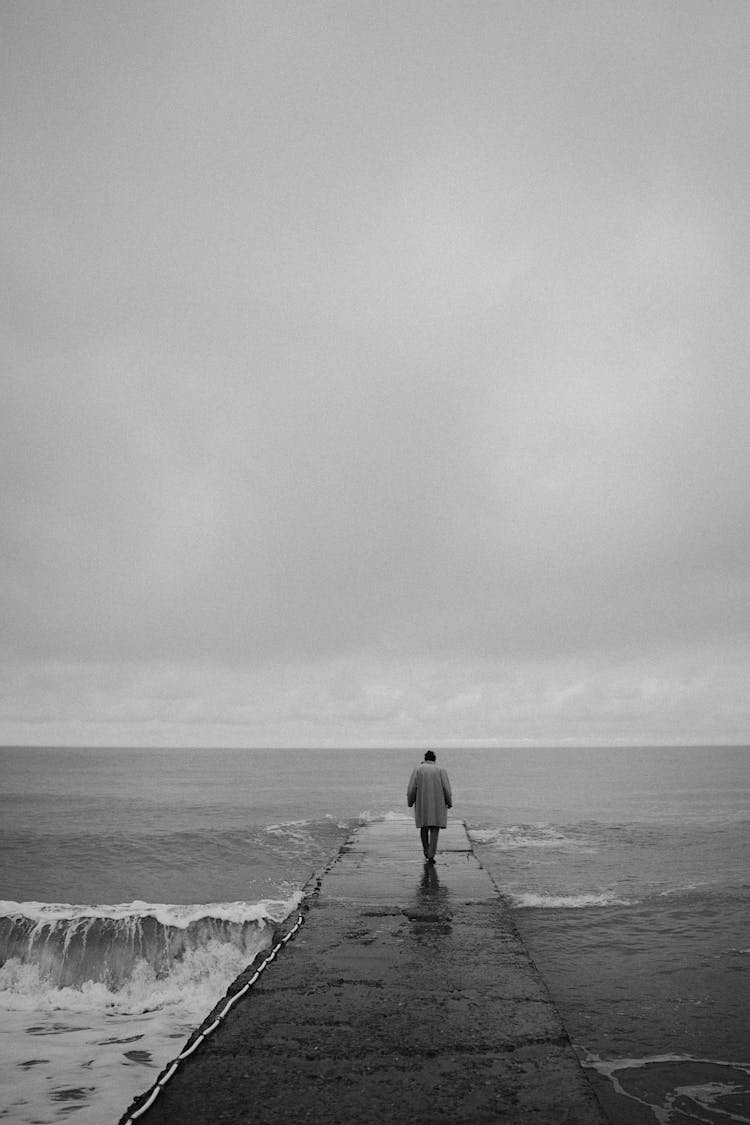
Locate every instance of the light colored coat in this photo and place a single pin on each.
(429, 791)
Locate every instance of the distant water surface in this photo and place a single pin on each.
(138, 883)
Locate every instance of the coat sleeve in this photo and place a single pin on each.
(446, 789)
(411, 789)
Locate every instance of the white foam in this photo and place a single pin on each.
(178, 915)
(296, 831)
(513, 836)
(533, 901)
(82, 1036)
(661, 1100)
(684, 889)
(367, 817)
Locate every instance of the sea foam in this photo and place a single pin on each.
(516, 836)
(533, 901)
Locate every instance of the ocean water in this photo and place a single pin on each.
(137, 884)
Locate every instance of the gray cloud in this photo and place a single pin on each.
(375, 370)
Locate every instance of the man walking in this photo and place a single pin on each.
(429, 792)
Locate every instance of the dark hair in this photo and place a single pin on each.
(430, 756)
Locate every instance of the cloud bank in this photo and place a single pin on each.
(375, 375)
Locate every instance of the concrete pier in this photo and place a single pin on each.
(407, 996)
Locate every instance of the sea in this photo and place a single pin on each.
(137, 884)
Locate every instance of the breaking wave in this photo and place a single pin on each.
(132, 956)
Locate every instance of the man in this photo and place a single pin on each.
(429, 791)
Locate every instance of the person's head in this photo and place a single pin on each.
(430, 756)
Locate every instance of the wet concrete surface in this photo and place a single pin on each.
(407, 996)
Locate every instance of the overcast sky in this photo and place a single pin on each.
(375, 373)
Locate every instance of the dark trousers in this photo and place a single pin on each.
(429, 840)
